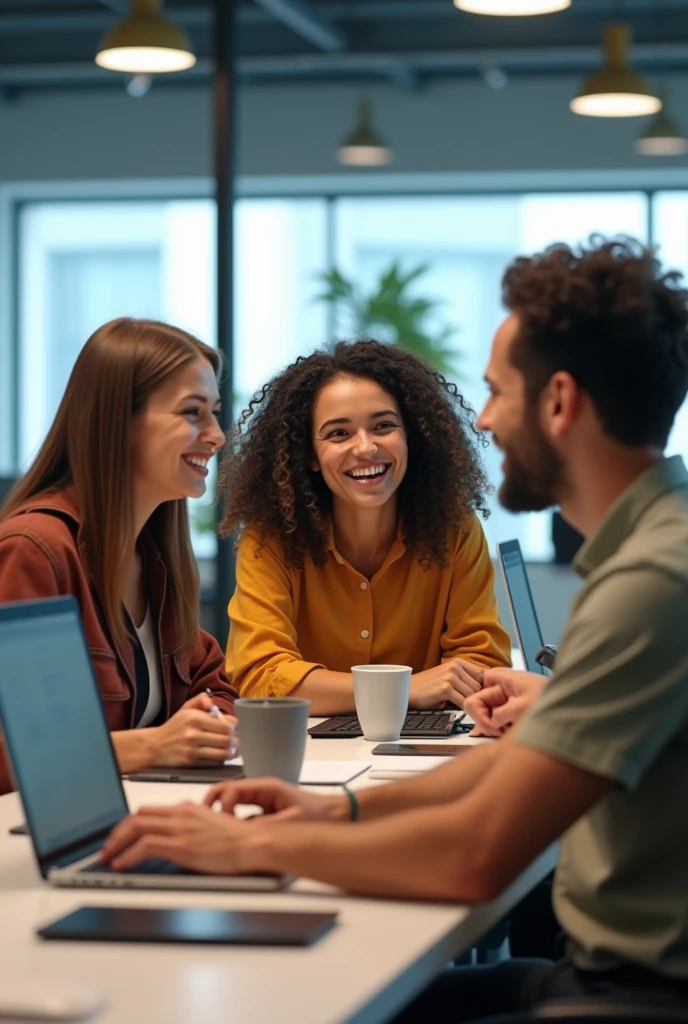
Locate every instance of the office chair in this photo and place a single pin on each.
(625, 1009)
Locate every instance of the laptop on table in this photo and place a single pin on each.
(522, 606)
(62, 757)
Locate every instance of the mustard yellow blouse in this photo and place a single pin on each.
(286, 622)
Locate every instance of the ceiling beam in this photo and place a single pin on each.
(93, 20)
(300, 16)
(329, 12)
(407, 78)
(118, 6)
(393, 65)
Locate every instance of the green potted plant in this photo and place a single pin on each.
(391, 312)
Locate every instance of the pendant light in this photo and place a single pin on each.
(145, 43)
(364, 147)
(616, 90)
(512, 8)
(663, 136)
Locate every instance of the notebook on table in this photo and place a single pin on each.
(62, 757)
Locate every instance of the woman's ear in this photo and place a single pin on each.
(314, 464)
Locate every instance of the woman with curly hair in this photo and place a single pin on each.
(353, 480)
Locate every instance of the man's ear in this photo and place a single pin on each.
(560, 403)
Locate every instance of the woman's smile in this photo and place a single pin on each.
(197, 463)
(368, 476)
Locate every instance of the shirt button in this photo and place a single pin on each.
(364, 586)
(365, 634)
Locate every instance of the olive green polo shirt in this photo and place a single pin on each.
(617, 706)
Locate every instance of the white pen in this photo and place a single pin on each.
(213, 710)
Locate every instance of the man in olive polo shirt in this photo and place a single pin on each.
(618, 707)
(586, 375)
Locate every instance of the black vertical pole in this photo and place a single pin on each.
(225, 149)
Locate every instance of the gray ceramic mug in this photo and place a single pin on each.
(272, 736)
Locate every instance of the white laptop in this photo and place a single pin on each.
(62, 757)
(526, 625)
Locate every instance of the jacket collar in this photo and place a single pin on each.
(64, 503)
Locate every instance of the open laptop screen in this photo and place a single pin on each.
(521, 603)
(54, 725)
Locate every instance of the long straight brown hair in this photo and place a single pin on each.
(88, 447)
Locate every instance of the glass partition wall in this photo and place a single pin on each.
(83, 263)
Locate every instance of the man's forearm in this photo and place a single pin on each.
(421, 854)
(450, 782)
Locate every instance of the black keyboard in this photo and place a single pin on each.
(417, 725)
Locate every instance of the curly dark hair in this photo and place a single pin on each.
(612, 318)
(267, 479)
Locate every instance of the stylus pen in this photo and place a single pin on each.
(214, 710)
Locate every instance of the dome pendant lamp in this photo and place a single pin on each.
(145, 43)
(663, 136)
(616, 90)
(512, 8)
(364, 147)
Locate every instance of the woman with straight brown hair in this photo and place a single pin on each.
(101, 514)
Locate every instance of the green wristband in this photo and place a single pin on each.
(353, 802)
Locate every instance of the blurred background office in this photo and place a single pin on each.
(391, 157)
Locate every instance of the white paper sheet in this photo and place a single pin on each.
(326, 773)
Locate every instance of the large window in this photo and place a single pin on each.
(466, 244)
(83, 263)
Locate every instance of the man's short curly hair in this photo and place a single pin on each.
(268, 483)
(609, 316)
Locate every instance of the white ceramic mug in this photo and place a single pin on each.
(382, 695)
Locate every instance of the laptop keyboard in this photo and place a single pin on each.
(150, 866)
(426, 724)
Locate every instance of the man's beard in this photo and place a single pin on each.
(533, 472)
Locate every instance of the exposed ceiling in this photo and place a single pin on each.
(47, 44)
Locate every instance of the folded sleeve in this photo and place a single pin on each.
(619, 693)
(263, 658)
(473, 629)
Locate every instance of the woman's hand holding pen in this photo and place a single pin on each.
(198, 733)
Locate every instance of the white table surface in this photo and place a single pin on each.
(380, 954)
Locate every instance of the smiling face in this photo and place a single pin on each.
(359, 442)
(534, 472)
(175, 435)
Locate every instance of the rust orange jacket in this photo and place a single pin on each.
(42, 554)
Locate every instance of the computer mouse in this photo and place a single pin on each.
(48, 1000)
